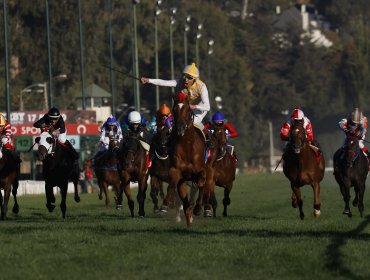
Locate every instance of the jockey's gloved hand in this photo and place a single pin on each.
(4, 140)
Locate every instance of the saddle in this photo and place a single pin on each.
(317, 151)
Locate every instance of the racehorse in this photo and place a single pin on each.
(187, 157)
(350, 169)
(132, 167)
(303, 166)
(9, 176)
(57, 168)
(224, 169)
(106, 171)
(160, 164)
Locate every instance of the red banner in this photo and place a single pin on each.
(72, 129)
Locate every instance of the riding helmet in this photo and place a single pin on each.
(297, 114)
(54, 113)
(218, 117)
(356, 116)
(134, 117)
(164, 109)
(111, 120)
(191, 70)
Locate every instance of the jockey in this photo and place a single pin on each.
(356, 125)
(110, 129)
(137, 124)
(194, 88)
(218, 119)
(53, 123)
(6, 133)
(164, 116)
(298, 116)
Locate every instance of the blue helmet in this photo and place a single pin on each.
(111, 120)
(218, 117)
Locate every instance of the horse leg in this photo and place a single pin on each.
(346, 198)
(193, 192)
(154, 189)
(209, 189)
(106, 193)
(63, 193)
(14, 192)
(182, 189)
(4, 208)
(316, 204)
(100, 184)
(355, 200)
(76, 197)
(226, 201)
(361, 193)
(294, 200)
(170, 194)
(213, 201)
(1, 204)
(178, 206)
(141, 195)
(126, 188)
(297, 193)
(50, 198)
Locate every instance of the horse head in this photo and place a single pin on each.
(45, 142)
(297, 137)
(351, 150)
(161, 141)
(113, 144)
(220, 135)
(183, 115)
(130, 148)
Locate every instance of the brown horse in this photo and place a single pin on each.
(9, 171)
(58, 165)
(350, 169)
(160, 164)
(132, 168)
(106, 171)
(302, 167)
(188, 160)
(224, 169)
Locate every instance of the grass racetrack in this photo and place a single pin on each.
(263, 238)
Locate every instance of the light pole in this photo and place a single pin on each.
(186, 30)
(81, 58)
(50, 91)
(112, 86)
(157, 13)
(210, 52)
(6, 59)
(135, 61)
(199, 35)
(172, 22)
(42, 87)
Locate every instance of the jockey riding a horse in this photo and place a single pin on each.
(137, 124)
(109, 130)
(195, 89)
(298, 116)
(218, 120)
(356, 125)
(53, 123)
(6, 136)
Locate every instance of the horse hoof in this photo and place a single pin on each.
(316, 213)
(346, 212)
(156, 210)
(354, 203)
(301, 216)
(16, 209)
(141, 216)
(178, 219)
(197, 210)
(119, 206)
(100, 197)
(208, 213)
(77, 199)
(189, 218)
(50, 207)
(294, 204)
(164, 209)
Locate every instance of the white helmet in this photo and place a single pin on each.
(134, 117)
(297, 114)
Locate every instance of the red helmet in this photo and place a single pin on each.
(297, 114)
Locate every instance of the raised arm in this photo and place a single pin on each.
(159, 82)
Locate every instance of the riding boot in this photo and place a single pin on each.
(72, 150)
(368, 155)
(148, 161)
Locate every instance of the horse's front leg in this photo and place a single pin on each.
(77, 196)
(344, 188)
(226, 201)
(4, 205)
(50, 198)
(361, 192)
(141, 195)
(316, 203)
(125, 187)
(202, 177)
(154, 190)
(174, 177)
(209, 189)
(297, 193)
(14, 192)
(63, 193)
(104, 187)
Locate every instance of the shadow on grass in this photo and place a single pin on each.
(336, 260)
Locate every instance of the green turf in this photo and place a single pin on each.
(263, 238)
